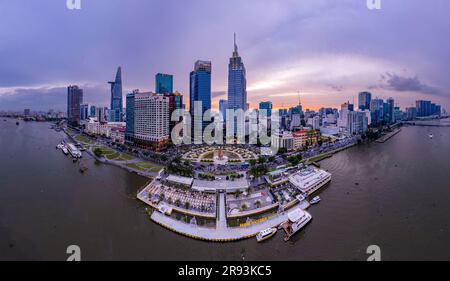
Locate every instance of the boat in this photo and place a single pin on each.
(73, 150)
(265, 234)
(310, 179)
(315, 200)
(297, 219)
(17, 123)
(65, 151)
(431, 136)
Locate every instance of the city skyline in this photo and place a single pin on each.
(283, 52)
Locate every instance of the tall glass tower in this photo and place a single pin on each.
(237, 84)
(199, 91)
(163, 83)
(116, 97)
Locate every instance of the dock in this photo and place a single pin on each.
(219, 234)
(389, 135)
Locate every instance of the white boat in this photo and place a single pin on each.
(431, 136)
(265, 234)
(315, 200)
(64, 149)
(297, 219)
(310, 180)
(73, 150)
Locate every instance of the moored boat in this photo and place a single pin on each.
(297, 219)
(315, 200)
(265, 234)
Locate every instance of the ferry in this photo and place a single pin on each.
(310, 180)
(265, 234)
(297, 219)
(315, 200)
(73, 150)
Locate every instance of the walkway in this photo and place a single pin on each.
(216, 234)
(222, 215)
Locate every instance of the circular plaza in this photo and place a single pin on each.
(220, 155)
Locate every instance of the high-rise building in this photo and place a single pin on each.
(129, 131)
(74, 101)
(343, 116)
(163, 83)
(199, 95)
(267, 107)
(377, 111)
(390, 116)
(102, 114)
(151, 119)
(423, 108)
(357, 122)
(27, 112)
(411, 113)
(237, 85)
(223, 106)
(175, 102)
(84, 111)
(364, 99)
(116, 97)
(93, 111)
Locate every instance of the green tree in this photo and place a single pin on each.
(98, 152)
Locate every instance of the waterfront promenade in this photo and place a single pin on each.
(219, 234)
(389, 135)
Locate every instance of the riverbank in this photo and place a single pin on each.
(389, 135)
(119, 159)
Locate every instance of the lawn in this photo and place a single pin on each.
(145, 167)
(126, 157)
(84, 139)
(113, 156)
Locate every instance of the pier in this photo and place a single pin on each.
(221, 232)
(389, 135)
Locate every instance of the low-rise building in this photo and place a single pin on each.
(118, 134)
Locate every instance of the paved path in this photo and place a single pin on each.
(216, 234)
(222, 216)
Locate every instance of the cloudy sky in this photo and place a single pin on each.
(329, 50)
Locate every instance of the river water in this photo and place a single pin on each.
(394, 195)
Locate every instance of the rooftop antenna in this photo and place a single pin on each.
(235, 46)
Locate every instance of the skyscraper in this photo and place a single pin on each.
(267, 106)
(84, 111)
(129, 132)
(93, 111)
(364, 99)
(175, 102)
(163, 83)
(377, 111)
(151, 119)
(74, 101)
(116, 97)
(199, 92)
(223, 106)
(390, 118)
(423, 108)
(237, 84)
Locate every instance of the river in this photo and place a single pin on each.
(394, 195)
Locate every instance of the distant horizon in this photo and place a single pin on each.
(329, 56)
